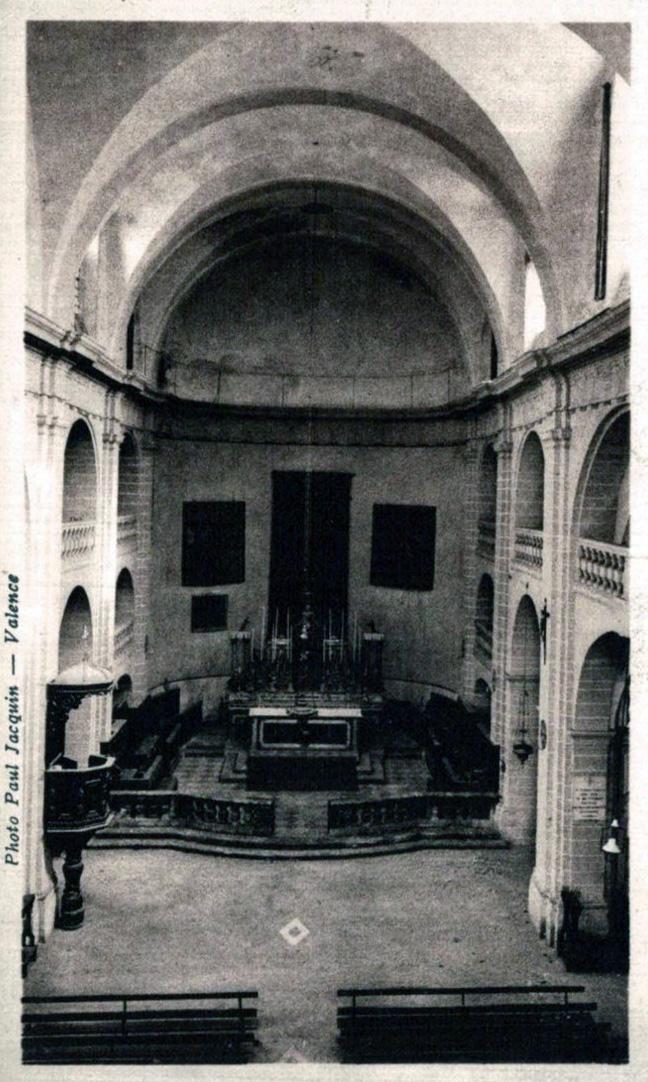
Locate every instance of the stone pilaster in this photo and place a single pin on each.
(556, 674)
(105, 567)
(44, 459)
(472, 456)
(146, 455)
(503, 540)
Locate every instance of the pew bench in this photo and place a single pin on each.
(150, 1028)
(492, 1024)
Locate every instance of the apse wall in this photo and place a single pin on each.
(308, 307)
(423, 629)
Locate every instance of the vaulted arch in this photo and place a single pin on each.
(79, 475)
(529, 492)
(75, 631)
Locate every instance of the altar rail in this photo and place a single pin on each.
(528, 548)
(406, 812)
(486, 539)
(78, 539)
(197, 812)
(601, 567)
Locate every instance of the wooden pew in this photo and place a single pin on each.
(457, 752)
(146, 1028)
(491, 1024)
(147, 745)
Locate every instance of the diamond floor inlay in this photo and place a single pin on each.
(294, 932)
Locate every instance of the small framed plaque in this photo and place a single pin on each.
(589, 798)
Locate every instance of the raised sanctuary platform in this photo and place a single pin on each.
(207, 805)
(309, 760)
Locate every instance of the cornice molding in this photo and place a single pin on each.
(598, 336)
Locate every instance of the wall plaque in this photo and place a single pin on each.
(589, 798)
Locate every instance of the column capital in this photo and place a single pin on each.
(561, 434)
(148, 443)
(472, 448)
(503, 444)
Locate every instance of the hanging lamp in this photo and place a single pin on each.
(522, 748)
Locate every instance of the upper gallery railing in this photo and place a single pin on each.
(486, 539)
(78, 539)
(528, 548)
(483, 639)
(123, 636)
(602, 567)
(126, 528)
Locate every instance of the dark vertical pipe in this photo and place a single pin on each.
(130, 342)
(603, 195)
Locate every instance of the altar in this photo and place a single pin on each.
(304, 748)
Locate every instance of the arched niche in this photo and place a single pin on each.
(529, 493)
(484, 618)
(127, 478)
(124, 611)
(482, 701)
(488, 486)
(600, 786)
(122, 698)
(604, 511)
(75, 633)
(523, 705)
(75, 645)
(79, 475)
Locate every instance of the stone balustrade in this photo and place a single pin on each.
(391, 814)
(78, 539)
(126, 529)
(486, 539)
(196, 812)
(528, 548)
(483, 641)
(123, 637)
(602, 567)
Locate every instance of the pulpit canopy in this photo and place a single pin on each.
(83, 678)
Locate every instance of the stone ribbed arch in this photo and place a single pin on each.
(159, 315)
(216, 82)
(451, 267)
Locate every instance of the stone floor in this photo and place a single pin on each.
(168, 921)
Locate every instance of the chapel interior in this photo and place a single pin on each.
(327, 456)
